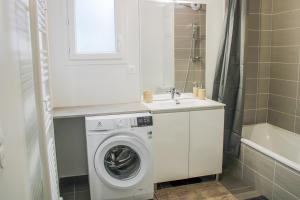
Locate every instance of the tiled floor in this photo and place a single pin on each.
(206, 191)
(77, 188)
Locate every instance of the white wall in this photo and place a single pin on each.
(74, 85)
(215, 17)
(92, 84)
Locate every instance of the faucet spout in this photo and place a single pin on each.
(173, 91)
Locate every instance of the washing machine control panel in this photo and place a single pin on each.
(144, 121)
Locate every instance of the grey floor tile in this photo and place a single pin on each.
(67, 188)
(82, 184)
(82, 187)
(68, 196)
(85, 195)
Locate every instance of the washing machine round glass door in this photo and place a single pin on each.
(122, 161)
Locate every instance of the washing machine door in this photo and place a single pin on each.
(122, 161)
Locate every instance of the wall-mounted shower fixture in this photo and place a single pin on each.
(194, 6)
(195, 43)
(194, 53)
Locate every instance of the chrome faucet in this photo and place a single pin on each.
(173, 91)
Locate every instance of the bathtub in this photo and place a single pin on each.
(275, 142)
(270, 161)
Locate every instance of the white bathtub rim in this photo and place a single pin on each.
(271, 154)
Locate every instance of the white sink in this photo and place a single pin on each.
(179, 104)
(164, 97)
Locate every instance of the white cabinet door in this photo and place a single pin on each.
(171, 146)
(206, 142)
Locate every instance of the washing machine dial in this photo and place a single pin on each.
(121, 123)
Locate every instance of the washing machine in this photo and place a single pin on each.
(120, 156)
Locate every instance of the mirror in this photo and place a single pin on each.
(173, 45)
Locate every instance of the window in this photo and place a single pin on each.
(92, 29)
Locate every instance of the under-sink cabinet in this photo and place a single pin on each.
(187, 144)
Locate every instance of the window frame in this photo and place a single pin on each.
(74, 56)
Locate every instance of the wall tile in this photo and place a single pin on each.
(193, 75)
(298, 90)
(285, 54)
(249, 117)
(251, 70)
(298, 108)
(250, 101)
(266, 6)
(253, 6)
(287, 179)
(280, 194)
(264, 54)
(182, 42)
(282, 104)
(251, 86)
(186, 19)
(286, 37)
(261, 116)
(282, 120)
(252, 54)
(272, 55)
(263, 85)
(253, 38)
(183, 31)
(284, 71)
(265, 38)
(297, 125)
(261, 184)
(265, 22)
(263, 101)
(182, 53)
(284, 88)
(280, 5)
(253, 21)
(264, 70)
(286, 20)
(260, 163)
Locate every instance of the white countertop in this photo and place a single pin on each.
(189, 104)
(159, 105)
(112, 109)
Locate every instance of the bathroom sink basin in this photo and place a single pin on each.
(182, 104)
(164, 97)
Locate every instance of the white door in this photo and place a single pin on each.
(170, 146)
(206, 142)
(122, 161)
(41, 62)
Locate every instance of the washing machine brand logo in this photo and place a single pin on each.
(100, 124)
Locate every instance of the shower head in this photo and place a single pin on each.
(194, 6)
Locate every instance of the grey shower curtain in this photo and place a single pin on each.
(229, 78)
